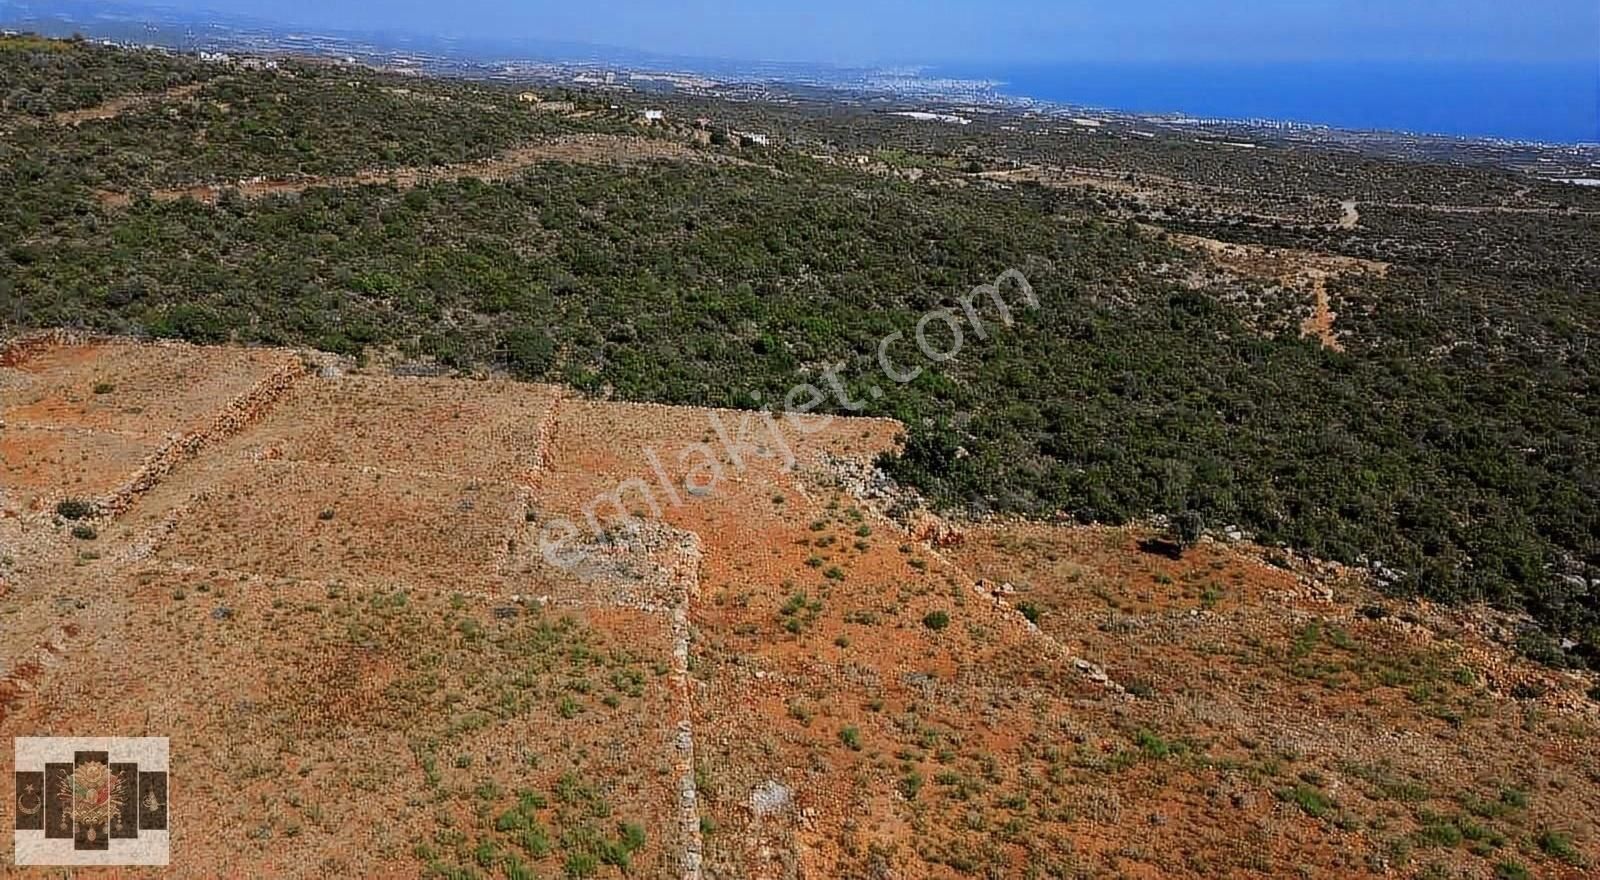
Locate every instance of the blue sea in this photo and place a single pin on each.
(1547, 102)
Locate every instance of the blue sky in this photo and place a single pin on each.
(1006, 31)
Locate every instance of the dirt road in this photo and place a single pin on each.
(120, 105)
(589, 149)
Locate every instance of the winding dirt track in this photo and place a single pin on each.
(587, 149)
(1488, 209)
(1320, 324)
(1304, 270)
(117, 106)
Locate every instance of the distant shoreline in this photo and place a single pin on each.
(1545, 103)
(1533, 103)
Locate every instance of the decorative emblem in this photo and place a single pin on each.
(30, 801)
(90, 801)
(93, 794)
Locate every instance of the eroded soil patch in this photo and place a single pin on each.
(1304, 271)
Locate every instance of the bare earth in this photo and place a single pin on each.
(1303, 270)
(327, 589)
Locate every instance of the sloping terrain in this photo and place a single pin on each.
(1304, 271)
(399, 621)
(336, 599)
(1323, 349)
(596, 149)
(1290, 722)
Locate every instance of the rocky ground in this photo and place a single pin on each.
(335, 592)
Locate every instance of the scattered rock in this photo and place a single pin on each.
(1384, 576)
(932, 530)
(770, 797)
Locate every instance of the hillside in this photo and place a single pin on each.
(1448, 436)
(1446, 432)
(330, 587)
(1242, 516)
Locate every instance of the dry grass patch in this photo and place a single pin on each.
(320, 730)
(287, 519)
(481, 429)
(142, 390)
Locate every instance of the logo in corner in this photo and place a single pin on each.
(90, 801)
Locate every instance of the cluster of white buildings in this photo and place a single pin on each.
(924, 116)
(244, 63)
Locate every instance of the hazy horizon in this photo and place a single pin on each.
(1469, 69)
(899, 32)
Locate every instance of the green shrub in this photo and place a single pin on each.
(75, 508)
(1152, 745)
(1438, 831)
(582, 864)
(1541, 647)
(633, 836)
(1558, 845)
(516, 870)
(1309, 799)
(512, 820)
(536, 840)
(529, 353)
(192, 323)
(1187, 527)
(936, 620)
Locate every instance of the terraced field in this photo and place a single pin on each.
(400, 626)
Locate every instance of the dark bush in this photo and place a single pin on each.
(75, 508)
(529, 353)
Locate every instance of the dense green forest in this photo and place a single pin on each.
(1456, 439)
